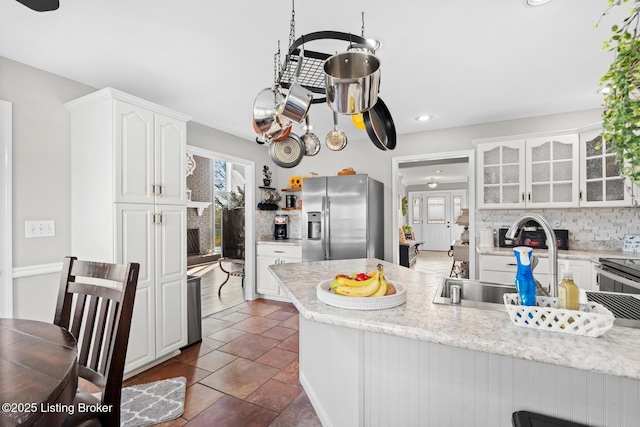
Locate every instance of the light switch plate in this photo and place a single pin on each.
(39, 228)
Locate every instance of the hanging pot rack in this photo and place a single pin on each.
(312, 75)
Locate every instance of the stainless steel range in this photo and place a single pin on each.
(619, 283)
(619, 275)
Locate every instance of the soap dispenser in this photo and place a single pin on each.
(525, 284)
(568, 292)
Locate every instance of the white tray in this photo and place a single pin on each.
(592, 320)
(327, 296)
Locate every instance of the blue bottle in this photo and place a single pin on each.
(525, 284)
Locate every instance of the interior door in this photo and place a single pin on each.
(436, 221)
(432, 216)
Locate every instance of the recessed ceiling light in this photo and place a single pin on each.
(536, 2)
(438, 171)
(423, 118)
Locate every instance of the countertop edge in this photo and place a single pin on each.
(285, 242)
(575, 254)
(522, 343)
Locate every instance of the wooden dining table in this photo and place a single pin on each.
(38, 373)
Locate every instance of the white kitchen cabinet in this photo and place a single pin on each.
(535, 172)
(128, 203)
(271, 254)
(562, 171)
(600, 181)
(501, 174)
(503, 268)
(147, 145)
(552, 172)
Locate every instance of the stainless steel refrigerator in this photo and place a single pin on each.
(342, 218)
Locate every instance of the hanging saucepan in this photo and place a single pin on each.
(352, 81)
(287, 153)
(262, 139)
(380, 126)
(310, 140)
(336, 140)
(296, 105)
(284, 135)
(266, 120)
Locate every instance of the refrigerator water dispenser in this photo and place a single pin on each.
(313, 225)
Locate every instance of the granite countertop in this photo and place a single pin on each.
(286, 242)
(617, 352)
(577, 254)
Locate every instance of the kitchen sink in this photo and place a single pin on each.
(488, 296)
(473, 293)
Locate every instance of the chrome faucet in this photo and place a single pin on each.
(552, 250)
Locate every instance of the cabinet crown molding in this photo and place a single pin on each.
(110, 93)
(525, 136)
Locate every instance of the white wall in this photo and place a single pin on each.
(41, 168)
(365, 158)
(41, 176)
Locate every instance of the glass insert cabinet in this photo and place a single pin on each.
(560, 171)
(601, 183)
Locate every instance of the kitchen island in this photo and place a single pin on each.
(439, 365)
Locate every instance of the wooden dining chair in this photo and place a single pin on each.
(95, 304)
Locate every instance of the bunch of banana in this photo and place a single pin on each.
(375, 286)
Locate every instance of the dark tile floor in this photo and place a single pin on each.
(245, 371)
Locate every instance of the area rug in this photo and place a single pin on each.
(152, 403)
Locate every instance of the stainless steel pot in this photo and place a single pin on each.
(266, 120)
(352, 81)
(298, 100)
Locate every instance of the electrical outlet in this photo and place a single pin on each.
(556, 224)
(39, 228)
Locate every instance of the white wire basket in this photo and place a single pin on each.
(592, 320)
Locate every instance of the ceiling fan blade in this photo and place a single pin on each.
(41, 5)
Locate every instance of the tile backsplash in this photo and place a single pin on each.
(589, 228)
(265, 223)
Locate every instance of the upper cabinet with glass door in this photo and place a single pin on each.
(536, 172)
(501, 170)
(563, 171)
(552, 172)
(600, 180)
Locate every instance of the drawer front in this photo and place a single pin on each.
(509, 264)
(280, 251)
